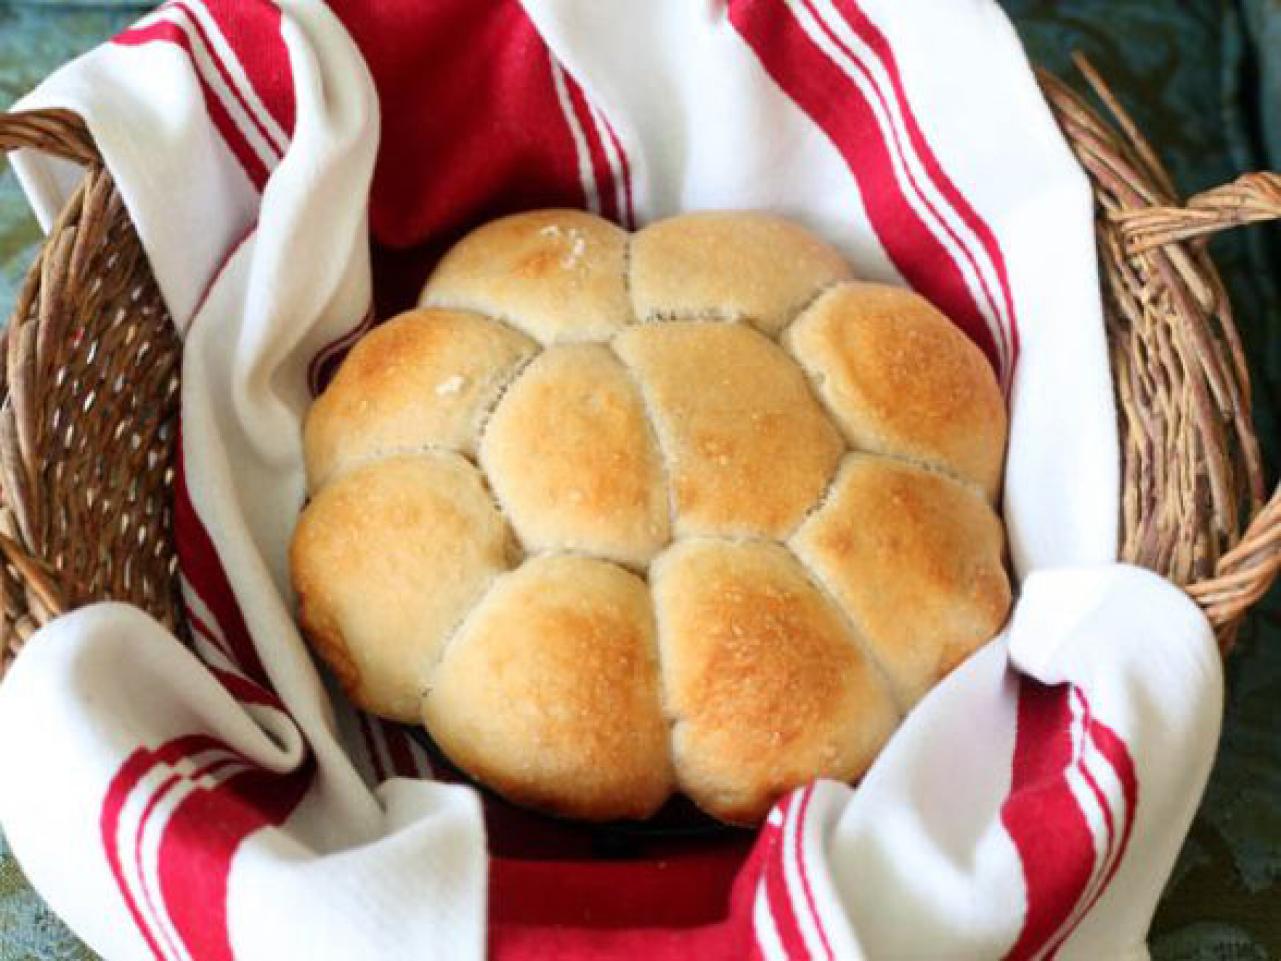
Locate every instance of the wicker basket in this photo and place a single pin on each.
(89, 390)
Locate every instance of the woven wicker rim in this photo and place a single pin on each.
(89, 389)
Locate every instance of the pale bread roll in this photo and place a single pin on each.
(753, 267)
(550, 692)
(435, 375)
(749, 450)
(763, 677)
(558, 275)
(788, 472)
(595, 482)
(386, 561)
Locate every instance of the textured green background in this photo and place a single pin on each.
(1203, 78)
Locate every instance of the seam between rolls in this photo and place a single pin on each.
(634, 317)
(640, 570)
(721, 315)
(665, 461)
(816, 579)
(387, 453)
(670, 717)
(514, 556)
(812, 388)
(814, 379)
(651, 423)
(825, 495)
(801, 310)
(932, 467)
(665, 466)
(514, 552)
(505, 321)
(427, 685)
(703, 315)
(512, 322)
(929, 467)
(641, 318)
(517, 552)
(487, 415)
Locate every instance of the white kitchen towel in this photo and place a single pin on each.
(223, 802)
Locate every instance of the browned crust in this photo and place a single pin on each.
(549, 693)
(558, 275)
(424, 379)
(777, 667)
(748, 449)
(571, 456)
(901, 379)
(749, 266)
(385, 561)
(917, 561)
(765, 679)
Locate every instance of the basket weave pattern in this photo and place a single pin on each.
(1192, 505)
(89, 390)
(88, 415)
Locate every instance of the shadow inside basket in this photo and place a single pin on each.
(516, 832)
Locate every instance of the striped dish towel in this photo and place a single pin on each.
(293, 170)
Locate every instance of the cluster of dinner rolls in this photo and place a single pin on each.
(619, 515)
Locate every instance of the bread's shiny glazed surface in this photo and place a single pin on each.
(619, 515)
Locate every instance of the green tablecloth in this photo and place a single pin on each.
(1203, 78)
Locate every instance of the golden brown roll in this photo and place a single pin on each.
(720, 265)
(550, 692)
(748, 449)
(435, 374)
(557, 275)
(617, 516)
(595, 482)
(915, 558)
(764, 679)
(386, 561)
(901, 379)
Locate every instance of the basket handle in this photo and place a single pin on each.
(58, 132)
(1249, 199)
(1244, 574)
